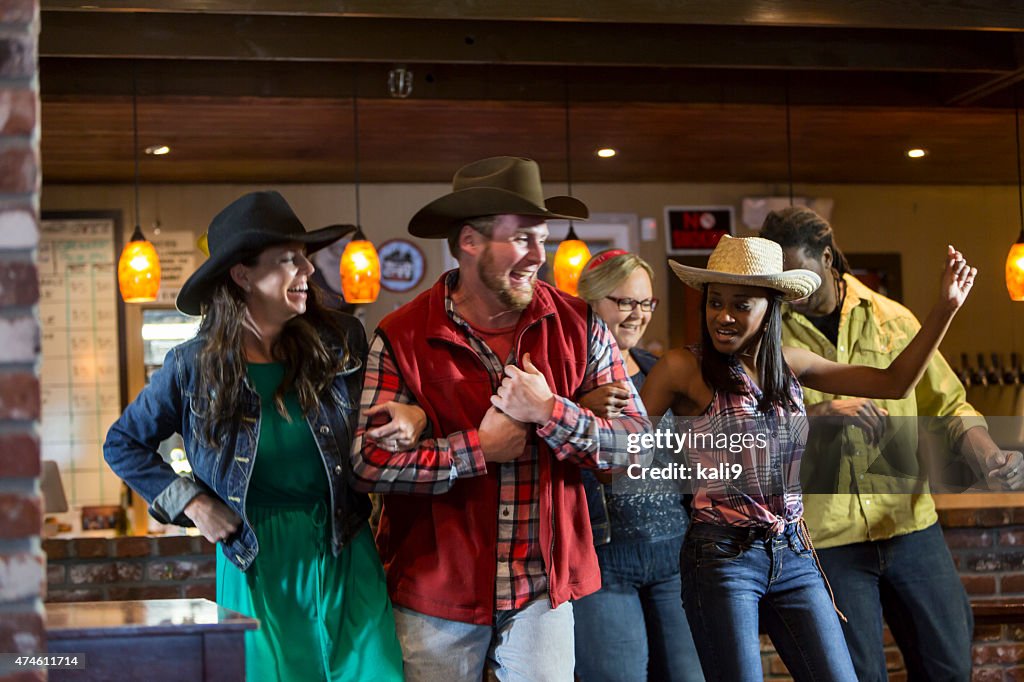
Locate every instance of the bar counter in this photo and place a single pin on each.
(153, 640)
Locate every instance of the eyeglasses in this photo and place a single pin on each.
(628, 305)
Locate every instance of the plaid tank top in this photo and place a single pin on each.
(745, 463)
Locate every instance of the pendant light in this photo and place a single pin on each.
(1015, 259)
(138, 269)
(360, 266)
(572, 253)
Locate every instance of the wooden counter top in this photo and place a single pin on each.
(158, 640)
(998, 611)
(147, 617)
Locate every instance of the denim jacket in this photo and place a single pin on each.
(173, 401)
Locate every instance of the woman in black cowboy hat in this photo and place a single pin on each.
(265, 398)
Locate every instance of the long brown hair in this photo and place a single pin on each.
(312, 347)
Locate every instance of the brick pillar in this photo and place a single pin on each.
(22, 573)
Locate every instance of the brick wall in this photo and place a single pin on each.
(96, 569)
(988, 550)
(21, 559)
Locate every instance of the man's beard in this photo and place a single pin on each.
(511, 297)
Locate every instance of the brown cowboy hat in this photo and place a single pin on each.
(245, 227)
(499, 185)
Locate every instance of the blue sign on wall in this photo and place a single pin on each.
(401, 265)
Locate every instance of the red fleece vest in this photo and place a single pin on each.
(440, 551)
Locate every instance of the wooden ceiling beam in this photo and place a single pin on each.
(993, 86)
(331, 39)
(914, 14)
(288, 140)
(112, 77)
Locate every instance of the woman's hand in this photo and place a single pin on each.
(404, 428)
(957, 280)
(608, 400)
(214, 519)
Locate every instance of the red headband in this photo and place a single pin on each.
(604, 256)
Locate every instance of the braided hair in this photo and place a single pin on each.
(800, 226)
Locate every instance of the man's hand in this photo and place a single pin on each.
(404, 428)
(214, 519)
(524, 394)
(608, 400)
(502, 438)
(1004, 470)
(860, 412)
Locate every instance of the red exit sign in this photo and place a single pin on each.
(696, 229)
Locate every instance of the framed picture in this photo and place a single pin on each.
(695, 230)
(881, 272)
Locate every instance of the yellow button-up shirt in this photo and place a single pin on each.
(873, 502)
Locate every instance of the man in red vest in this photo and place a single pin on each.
(484, 532)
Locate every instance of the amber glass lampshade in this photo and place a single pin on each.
(138, 270)
(570, 258)
(1015, 270)
(360, 271)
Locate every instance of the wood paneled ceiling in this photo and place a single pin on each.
(262, 90)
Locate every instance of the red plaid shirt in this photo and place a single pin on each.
(573, 433)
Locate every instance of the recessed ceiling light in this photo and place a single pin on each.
(917, 153)
(606, 152)
(158, 149)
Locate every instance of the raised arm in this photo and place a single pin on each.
(899, 378)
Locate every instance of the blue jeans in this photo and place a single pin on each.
(634, 628)
(910, 579)
(737, 579)
(531, 644)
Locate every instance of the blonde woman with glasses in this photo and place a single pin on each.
(634, 628)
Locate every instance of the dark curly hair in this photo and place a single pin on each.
(800, 226)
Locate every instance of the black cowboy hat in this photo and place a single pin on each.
(245, 227)
(499, 185)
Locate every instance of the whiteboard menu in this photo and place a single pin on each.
(80, 370)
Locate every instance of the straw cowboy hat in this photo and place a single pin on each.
(499, 185)
(248, 225)
(752, 261)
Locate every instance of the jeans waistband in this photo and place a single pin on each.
(742, 533)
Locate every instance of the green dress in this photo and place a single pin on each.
(321, 617)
